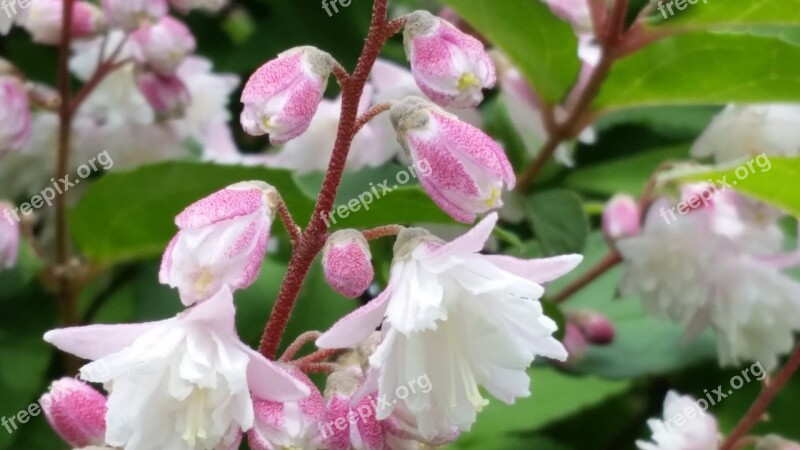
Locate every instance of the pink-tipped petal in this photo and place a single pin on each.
(96, 341)
(353, 328)
(539, 271)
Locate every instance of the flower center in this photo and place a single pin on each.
(266, 122)
(196, 417)
(467, 81)
(203, 282)
(493, 197)
(465, 373)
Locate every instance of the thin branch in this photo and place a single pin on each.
(313, 239)
(371, 113)
(607, 263)
(298, 344)
(759, 407)
(341, 74)
(294, 230)
(319, 367)
(319, 355)
(381, 232)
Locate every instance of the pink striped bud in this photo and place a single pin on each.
(9, 236)
(15, 115)
(131, 14)
(168, 95)
(163, 45)
(45, 20)
(621, 218)
(467, 170)
(596, 328)
(221, 242)
(451, 67)
(282, 96)
(346, 260)
(76, 411)
(288, 425)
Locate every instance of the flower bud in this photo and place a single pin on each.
(596, 328)
(168, 95)
(467, 170)
(163, 45)
(282, 96)
(15, 115)
(221, 242)
(131, 14)
(575, 342)
(9, 236)
(45, 20)
(621, 218)
(346, 260)
(288, 425)
(451, 67)
(76, 411)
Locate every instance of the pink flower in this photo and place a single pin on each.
(164, 44)
(282, 96)
(45, 18)
(76, 411)
(621, 218)
(449, 309)
(131, 14)
(289, 425)
(347, 263)
(15, 115)
(450, 66)
(468, 170)
(168, 96)
(9, 236)
(221, 242)
(181, 383)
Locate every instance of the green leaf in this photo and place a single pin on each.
(772, 180)
(16, 278)
(623, 175)
(559, 221)
(541, 45)
(710, 68)
(555, 395)
(130, 215)
(714, 13)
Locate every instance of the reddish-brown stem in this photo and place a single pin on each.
(313, 239)
(294, 230)
(319, 367)
(382, 232)
(371, 114)
(298, 344)
(612, 36)
(319, 355)
(608, 262)
(759, 407)
(341, 74)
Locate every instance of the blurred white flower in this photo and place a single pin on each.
(685, 426)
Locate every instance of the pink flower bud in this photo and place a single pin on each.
(131, 14)
(15, 115)
(575, 342)
(596, 328)
(45, 19)
(347, 263)
(164, 44)
(451, 67)
(76, 411)
(221, 242)
(9, 236)
(168, 96)
(288, 425)
(621, 218)
(467, 170)
(282, 96)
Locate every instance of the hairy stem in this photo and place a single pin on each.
(382, 232)
(607, 263)
(313, 239)
(760, 405)
(298, 344)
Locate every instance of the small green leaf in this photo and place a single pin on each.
(559, 221)
(695, 14)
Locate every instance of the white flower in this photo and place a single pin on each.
(460, 318)
(741, 131)
(178, 384)
(685, 426)
(717, 266)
